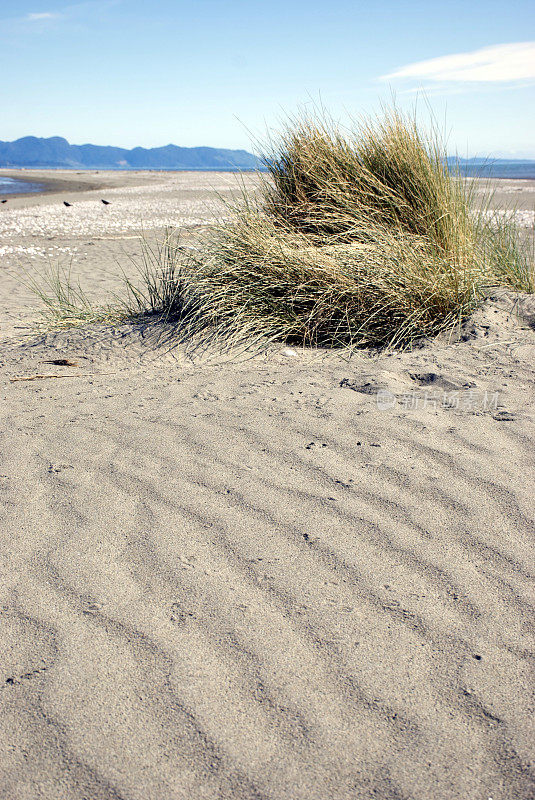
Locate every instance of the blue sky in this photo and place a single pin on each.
(127, 72)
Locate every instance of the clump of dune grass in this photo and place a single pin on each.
(163, 288)
(160, 290)
(509, 256)
(363, 238)
(353, 238)
(64, 303)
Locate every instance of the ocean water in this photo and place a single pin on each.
(493, 168)
(13, 186)
(513, 170)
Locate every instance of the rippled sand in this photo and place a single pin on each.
(294, 577)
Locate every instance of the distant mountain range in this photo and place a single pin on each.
(56, 152)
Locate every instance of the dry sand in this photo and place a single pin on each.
(95, 241)
(251, 578)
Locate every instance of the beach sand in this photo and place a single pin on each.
(291, 577)
(97, 242)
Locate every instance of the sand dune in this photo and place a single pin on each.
(296, 576)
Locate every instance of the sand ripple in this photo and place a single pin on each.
(248, 581)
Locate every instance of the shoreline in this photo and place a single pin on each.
(82, 180)
(86, 180)
(49, 185)
(80, 184)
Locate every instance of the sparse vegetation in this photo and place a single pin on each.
(161, 291)
(64, 302)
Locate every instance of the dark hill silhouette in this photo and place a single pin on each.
(56, 152)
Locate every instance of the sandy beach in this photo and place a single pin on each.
(98, 242)
(298, 576)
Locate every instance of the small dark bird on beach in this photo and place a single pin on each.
(106, 202)
(4, 201)
(67, 204)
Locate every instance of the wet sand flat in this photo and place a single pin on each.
(291, 577)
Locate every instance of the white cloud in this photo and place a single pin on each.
(42, 15)
(502, 62)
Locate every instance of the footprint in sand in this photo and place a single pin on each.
(59, 467)
(179, 616)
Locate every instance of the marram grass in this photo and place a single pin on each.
(386, 290)
(356, 239)
(363, 238)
